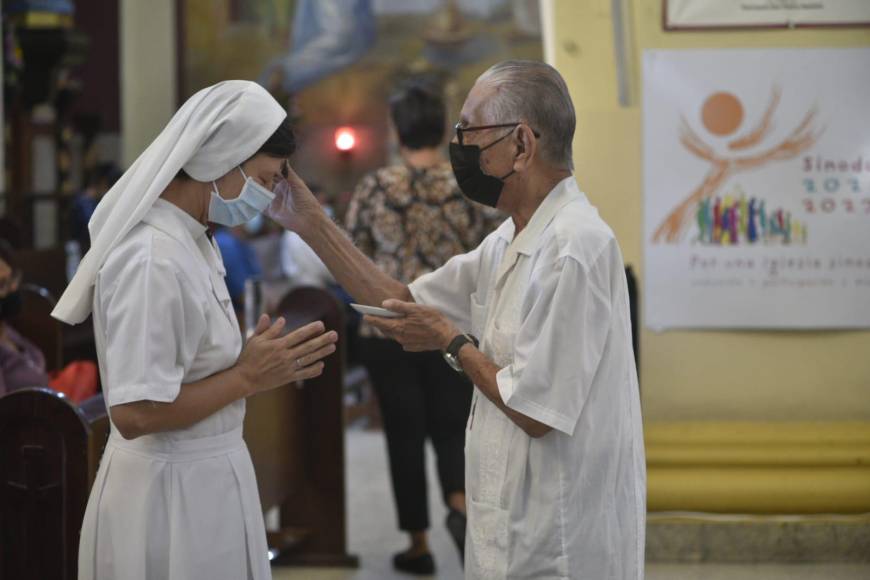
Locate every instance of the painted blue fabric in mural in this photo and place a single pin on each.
(53, 6)
(328, 35)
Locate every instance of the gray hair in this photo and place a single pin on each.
(534, 92)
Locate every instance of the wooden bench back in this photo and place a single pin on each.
(296, 438)
(49, 453)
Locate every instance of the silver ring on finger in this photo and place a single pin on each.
(299, 364)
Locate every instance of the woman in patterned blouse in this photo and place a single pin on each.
(410, 219)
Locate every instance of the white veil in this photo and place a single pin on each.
(214, 131)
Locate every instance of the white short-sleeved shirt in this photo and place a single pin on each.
(550, 307)
(164, 316)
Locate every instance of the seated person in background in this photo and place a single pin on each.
(21, 362)
(298, 261)
(239, 258)
(100, 180)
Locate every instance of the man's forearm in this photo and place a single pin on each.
(482, 373)
(356, 273)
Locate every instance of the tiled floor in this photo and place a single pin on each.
(653, 572)
(374, 538)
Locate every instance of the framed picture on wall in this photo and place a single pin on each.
(733, 14)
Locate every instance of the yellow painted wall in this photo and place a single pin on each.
(148, 72)
(754, 376)
(806, 376)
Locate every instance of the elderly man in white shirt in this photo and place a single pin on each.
(537, 316)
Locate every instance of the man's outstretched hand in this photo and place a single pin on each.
(421, 328)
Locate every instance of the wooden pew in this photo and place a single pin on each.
(36, 324)
(49, 453)
(45, 268)
(44, 275)
(60, 343)
(296, 438)
(50, 450)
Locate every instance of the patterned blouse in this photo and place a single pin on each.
(411, 221)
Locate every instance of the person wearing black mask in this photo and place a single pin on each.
(538, 318)
(22, 364)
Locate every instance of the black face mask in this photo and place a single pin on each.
(473, 182)
(10, 306)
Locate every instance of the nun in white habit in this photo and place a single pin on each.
(176, 496)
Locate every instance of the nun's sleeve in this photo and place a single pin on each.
(153, 326)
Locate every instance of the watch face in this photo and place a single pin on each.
(453, 362)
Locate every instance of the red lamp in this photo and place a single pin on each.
(345, 139)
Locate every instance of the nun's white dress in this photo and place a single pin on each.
(178, 505)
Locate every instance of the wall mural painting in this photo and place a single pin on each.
(333, 63)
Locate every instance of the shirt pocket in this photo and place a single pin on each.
(488, 454)
(225, 336)
(487, 556)
(222, 296)
(501, 344)
(478, 317)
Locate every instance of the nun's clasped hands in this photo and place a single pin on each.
(270, 359)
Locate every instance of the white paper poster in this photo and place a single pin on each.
(692, 14)
(757, 188)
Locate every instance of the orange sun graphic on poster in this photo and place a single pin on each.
(722, 115)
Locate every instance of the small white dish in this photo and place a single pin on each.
(376, 311)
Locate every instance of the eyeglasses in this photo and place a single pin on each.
(460, 130)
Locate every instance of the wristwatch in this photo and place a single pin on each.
(451, 355)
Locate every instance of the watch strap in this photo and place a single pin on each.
(458, 342)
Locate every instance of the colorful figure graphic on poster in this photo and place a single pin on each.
(751, 228)
(740, 220)
(722, 115)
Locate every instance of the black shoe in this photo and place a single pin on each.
(456, 523)
(422, 565)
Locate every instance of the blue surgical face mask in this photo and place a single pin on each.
(251, 202)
